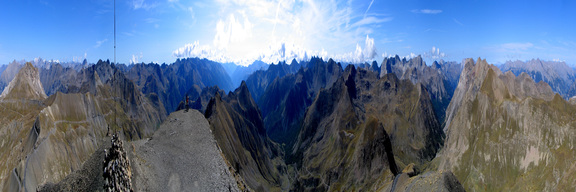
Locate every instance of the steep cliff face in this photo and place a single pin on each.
(438, 79)
(25, 85)
(258, 81)
(239, 130)
(56, 78)
(285, 101)
(170, 83)
(342, 145)
(8, 73)
(506, 132)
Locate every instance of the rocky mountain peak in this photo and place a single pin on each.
(25, 85)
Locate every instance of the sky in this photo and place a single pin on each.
(242, 31)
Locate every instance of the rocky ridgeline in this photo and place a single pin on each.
(117, 172)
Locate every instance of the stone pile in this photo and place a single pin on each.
(117, 172)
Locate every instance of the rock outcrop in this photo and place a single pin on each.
(507, 132)
(438, 79)
(170, 83)
(25, 85)
(285, 100)
(259, 81)
(117, 170)
(238, 128)
(9, 73)
(358, 133)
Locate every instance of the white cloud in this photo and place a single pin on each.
(135, 58)
(360, 55)
(370, 48)
(427, 11)
(99, 43)
(276, 30)
(232, 31)
(434, 54)
(205, 51)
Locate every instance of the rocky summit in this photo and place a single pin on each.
(508, 133)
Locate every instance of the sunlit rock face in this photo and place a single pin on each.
(558, 75)
(506, 132)
(44, 139)
(26, 84)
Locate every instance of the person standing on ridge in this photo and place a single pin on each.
(187, 106)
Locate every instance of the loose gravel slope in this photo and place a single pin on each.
(181, 156)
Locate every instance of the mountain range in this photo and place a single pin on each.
(305, 126)
(560, 77)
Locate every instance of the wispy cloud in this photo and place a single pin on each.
(370, 5)
(457, 22)
(427, 11)
(192, 13)
(99, 43)
(371, 20)
(140, 4)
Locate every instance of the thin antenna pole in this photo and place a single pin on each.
(114, 75)
(114, 31)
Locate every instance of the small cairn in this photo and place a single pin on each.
(117, 172)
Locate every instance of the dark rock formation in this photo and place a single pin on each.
(238, 128)
(117, 170)
(259, 81)
(285, 100)
(172, 82)
(360, 131)
(438, 79)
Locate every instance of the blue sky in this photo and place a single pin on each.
(243, 30)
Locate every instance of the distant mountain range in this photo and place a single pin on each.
(304, 126)
(560, 77)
